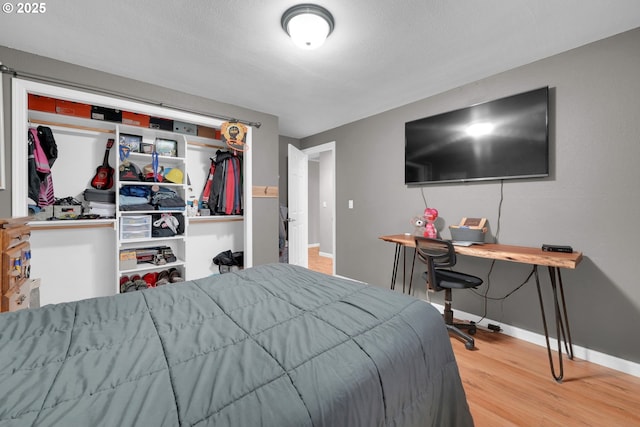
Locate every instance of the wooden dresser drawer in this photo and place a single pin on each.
(13, 236)
(16, 265)
(18, 297)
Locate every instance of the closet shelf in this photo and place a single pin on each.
(215, 218)
(67, 224)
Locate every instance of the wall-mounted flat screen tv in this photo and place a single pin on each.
(501, 139)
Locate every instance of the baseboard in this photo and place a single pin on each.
(349, 278)
(314, 245)
(325, 254)
(589, 355)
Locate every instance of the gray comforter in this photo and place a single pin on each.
(274, 345)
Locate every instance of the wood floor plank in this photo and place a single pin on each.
(508, 383)
(318, 262)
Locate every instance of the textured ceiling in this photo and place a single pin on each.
(381, 55)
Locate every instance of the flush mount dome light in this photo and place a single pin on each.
(308, 25)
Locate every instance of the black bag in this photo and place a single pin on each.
(48, 144)
(167, 225)
(229, 261)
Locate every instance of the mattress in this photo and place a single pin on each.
(273, 345)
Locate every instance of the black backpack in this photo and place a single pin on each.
(48, 144)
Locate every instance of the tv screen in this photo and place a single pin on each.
(501, 139)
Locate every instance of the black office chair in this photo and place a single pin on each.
(439, 255)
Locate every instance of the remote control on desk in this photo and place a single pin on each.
(557, 248)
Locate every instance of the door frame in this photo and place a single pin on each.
(329, 146)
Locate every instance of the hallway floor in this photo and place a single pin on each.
(319, 263)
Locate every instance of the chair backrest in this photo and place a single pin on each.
(435, 253)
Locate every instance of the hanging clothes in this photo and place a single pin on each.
(222, 193)
(41, 188)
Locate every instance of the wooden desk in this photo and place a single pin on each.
(554, 261)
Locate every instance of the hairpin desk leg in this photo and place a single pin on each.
(401, 250)
(396, 261)
(562, 318)
(562, 323)
(413, 264)
(404, 267)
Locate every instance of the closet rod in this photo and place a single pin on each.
(15, 73)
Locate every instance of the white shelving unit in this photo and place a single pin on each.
(177, 243)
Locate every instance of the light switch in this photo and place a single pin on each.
(350, 204)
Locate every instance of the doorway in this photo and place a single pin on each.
(321, 206)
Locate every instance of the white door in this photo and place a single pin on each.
(298, 215)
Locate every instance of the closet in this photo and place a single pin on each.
(84, 258)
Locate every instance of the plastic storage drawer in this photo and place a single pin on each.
(135, 227)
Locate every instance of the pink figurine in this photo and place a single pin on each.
(430, 215)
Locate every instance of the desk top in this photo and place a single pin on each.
(521, 254)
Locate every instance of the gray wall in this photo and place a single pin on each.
(313, 199)
(326, 203)
(264, 146)
(591, 200)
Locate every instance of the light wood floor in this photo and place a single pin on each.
(319, 263)
(508, 383)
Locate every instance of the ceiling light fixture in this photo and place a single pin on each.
(308, 25)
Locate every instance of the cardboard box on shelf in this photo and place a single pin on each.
(206, 132)
(135, 119)
(128, 259)
(41, 103)
(70, 108)
(159, 123)
(106, 114)
(186, 128)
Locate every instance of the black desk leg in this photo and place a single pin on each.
(404, 267)
(562, 321)
(396, 261)
(413, 264)
(554, 272)
(401, 249)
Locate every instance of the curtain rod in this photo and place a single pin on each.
(15, 73)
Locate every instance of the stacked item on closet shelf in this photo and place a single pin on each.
(150, 280)
(222, 193)
(100, 202)
(167, 199)
(145, 198)
(103, 210)
(135, 198)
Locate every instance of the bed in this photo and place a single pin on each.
(273, 345)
